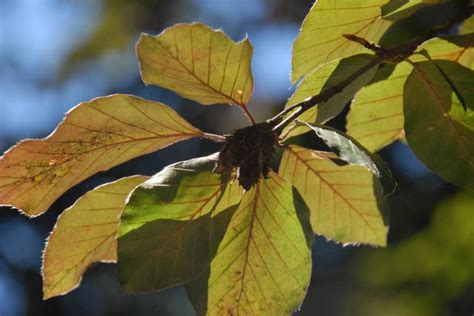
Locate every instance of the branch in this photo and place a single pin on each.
(247, 113)
(393, 55)
(213, 137)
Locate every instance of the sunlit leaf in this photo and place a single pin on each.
(198, 63)
(84, 234)
(410, 27)
(342, 199)
(398, 9)
(376, 115)
(321, 41)
(169, 222)
(458, 48)
(263, 264)
(351, 151)
(93, 137)
(327, 77)
(467, 26)
(438, 129)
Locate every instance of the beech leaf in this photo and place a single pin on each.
(198, 63)
(326, 77)
(320, 39)
(352, 152)
(376, 115)
(169, 224)
(263, 264)
(343, 199)
(84, 234)
(94, 136)
(438, 128)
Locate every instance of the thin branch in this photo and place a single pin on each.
(213, 137)
(247, 113)
(394, 55)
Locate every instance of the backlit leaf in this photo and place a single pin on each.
(351, 151)
(398, 9)
(94, 136)
(84, 234)
(321, 41)
(169, 222)
(416, 24)
(376, 115)
(198, 63)
(458, 48)
(438, 129)
(343, 200)
(263, 264)
(326, 77)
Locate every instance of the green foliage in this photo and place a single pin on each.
(438, 260)
(439, 108)
(236, 234)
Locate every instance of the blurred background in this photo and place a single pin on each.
(57, 53)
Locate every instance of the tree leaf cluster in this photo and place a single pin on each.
(234, 232)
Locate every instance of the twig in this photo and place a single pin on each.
(393, 55)
(213, 137)
(247, 113)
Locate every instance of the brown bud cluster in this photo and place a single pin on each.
(250, 150)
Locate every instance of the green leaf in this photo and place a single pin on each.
(352, 152)
(324, 78)
(263, 264)
(198, 63)
(343, 200)
(458, 48)
(467, 26)
(416, 24)
(168, 224)
(320, 40)
(84, 234)
(438, 129)
(376, 115)
(398, 9)
(94, 136)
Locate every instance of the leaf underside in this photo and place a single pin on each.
(323, 78)
(438, 129)
(376, 115)
(329, 19)
(84, 234)
(263, 264)
(198, 63)
(94, 136)
(343, 200)
(169, 224)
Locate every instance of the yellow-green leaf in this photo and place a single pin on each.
(321, 41)
(94, 136)
(343, 200)
(438, 128)
(170, 222)
(351, 151)
(84, 234)
(326, 77)
(398, 9)
(263, 264)
(458, 48)
(376, 115)
(198, 63)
